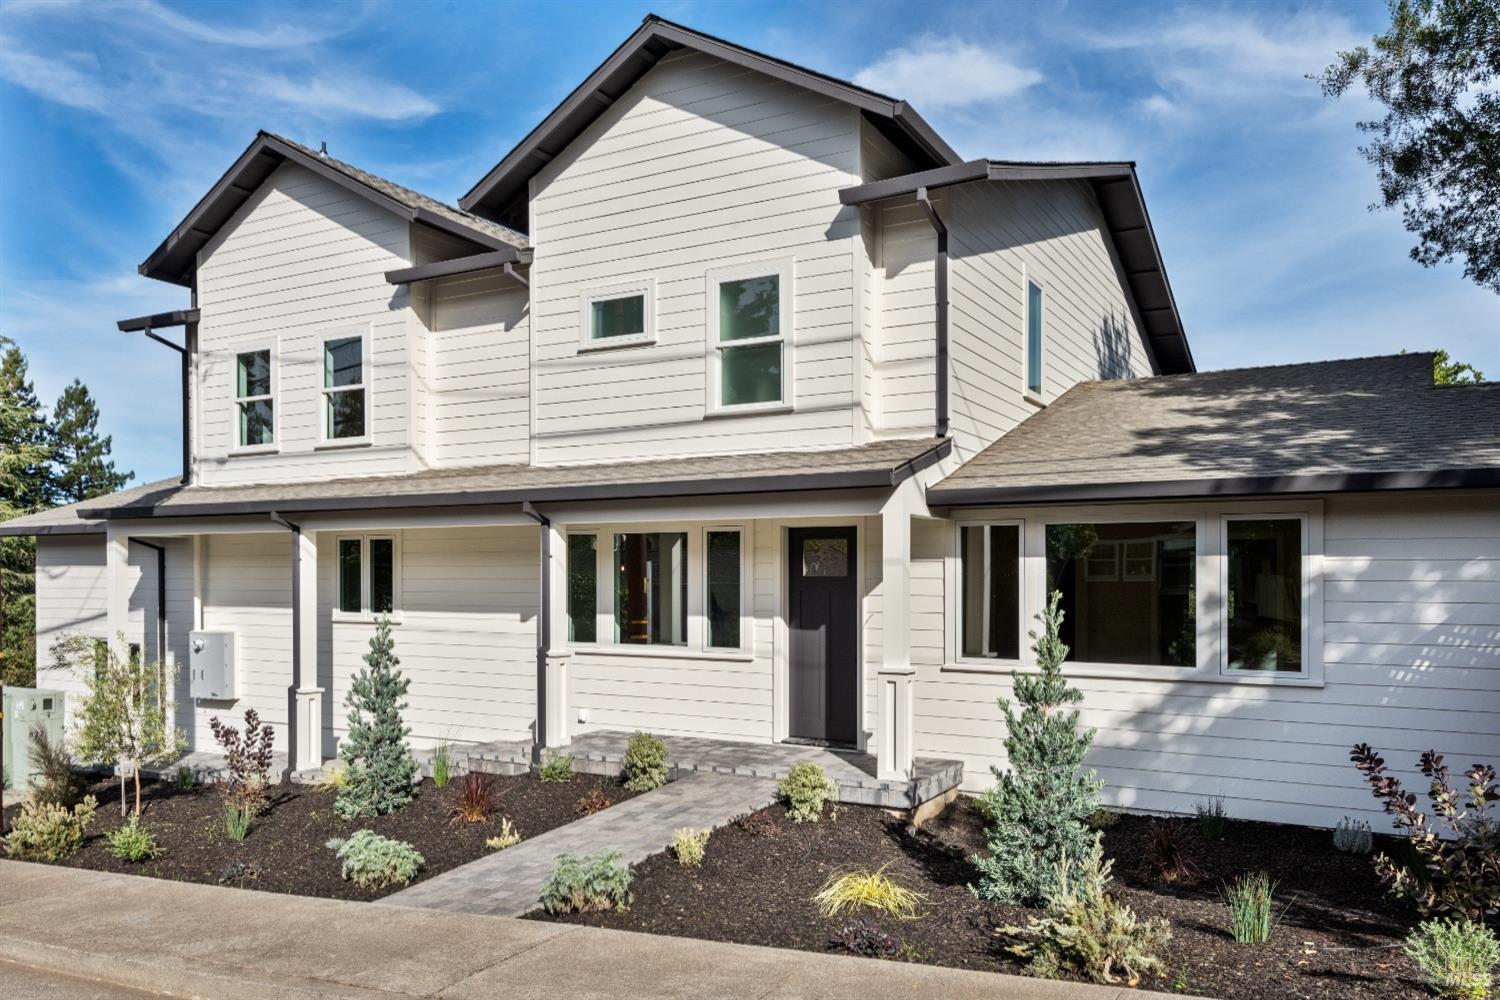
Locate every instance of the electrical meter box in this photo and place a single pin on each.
(26, 709)
(211, 666)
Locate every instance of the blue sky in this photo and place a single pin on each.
(117, 117)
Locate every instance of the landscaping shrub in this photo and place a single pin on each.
(48, 831)
(1458, 957)
(1352, 837)
(588, 884)
(187, 778)
(379, 763)
(1039, 808)
(863, 889)
(132, 842)
(863, 938)
(1249, 901)
(56, 780)
(804, 790)
(442, 764)
(1085, 931)
(238, 873)
(556, 768)
(371, 861)
(759, 824)
(476, 797)
(689, 846)
(1212, 820)
(507, 837)
(590, 802)
(236, 821)
(645, 763)
(1102, 819)
(1460, 875)
(1171, 854)
(247, 759)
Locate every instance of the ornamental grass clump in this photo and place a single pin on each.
(645, 764)
(1352, 837)
(1039, 809)
(132, 842)
(476, 797)
(56, 779)
(48, 831)
(861, 889)
(508, 836)
(556, 768)
(1458, 874)
(804, 790)
(379, 764)
(1458, 957)
(442, 765)
(1250, 900)
(371, 861)
(1213, 821)
(689, 846)
(1171, 852)
(590, 884)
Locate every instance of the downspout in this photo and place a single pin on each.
(940, 283)
(291, 695)
(543, 628)
(161, 597)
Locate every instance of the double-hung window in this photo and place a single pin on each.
(344, 389)
(253, 399)
(368, 575)
(750, 325)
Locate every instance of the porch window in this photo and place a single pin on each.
(368, 575)
(750, 323)
(1128, 592)
(990, 570)
(1263, 594)
(252, 399)
(351, 576)
(722, 559)
(382, 575)
(651, 588)
(343, 388)
(583, 588)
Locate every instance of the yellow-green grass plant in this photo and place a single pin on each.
(860, 888)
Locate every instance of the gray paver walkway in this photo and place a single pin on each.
(509, 883)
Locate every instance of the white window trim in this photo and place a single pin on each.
(646, 288)
(697, 646)
(955, 587)
(1210, 581)
(365, 335)
(1037, 395)
(1308, 587)
(784, 270)
(274, 368)
(365, 615)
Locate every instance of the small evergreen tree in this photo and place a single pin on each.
(1038, 836)
(379, 764)
(85, 469)
(25, 487)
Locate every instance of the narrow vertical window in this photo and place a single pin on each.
(990, 567)
(350, 575)
(252, 399)
(723, 589)
(651, 588)
(1263, 599)
(1033, 338)
(583, 588)
(343, 388)
(382, 575)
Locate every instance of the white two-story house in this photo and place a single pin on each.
(734, 404)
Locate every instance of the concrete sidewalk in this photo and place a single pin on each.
(181, 939)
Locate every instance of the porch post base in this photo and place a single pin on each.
(557, 700)
(894, 760)
(307, 755)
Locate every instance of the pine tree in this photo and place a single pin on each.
(85, 470)
(1038, 809)
(380, 765)
(25, 487)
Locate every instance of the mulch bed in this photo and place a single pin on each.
(286, 850)
(1338, 939)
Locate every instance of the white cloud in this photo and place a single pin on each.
(64, 82)
(937, 73)
(343, 96)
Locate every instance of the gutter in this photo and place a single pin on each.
(940, 294)
(543, 627)
(187, 319)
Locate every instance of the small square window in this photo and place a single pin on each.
(615, 318)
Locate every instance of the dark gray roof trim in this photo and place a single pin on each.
(159, 321)
(1240, 486)
(501, 194)
(175, 259)
(1119, 192)
(459, 265)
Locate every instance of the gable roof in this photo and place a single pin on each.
(66, 520)
(1118, 191)
(1362, 424)
(501, 193)
(174, 260)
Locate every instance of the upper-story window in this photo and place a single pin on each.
(1033, 338)
(619, 316)
(344, 388)
(750, 323)
(253, 400)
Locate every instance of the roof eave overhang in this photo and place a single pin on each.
(158, 321)
(457, 266)
(48, 530)
(1233, 486)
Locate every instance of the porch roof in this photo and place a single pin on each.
(1332, 426)
(879, 464)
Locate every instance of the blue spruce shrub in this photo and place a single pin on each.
(379, 764)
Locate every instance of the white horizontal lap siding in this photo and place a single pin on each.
(479, 377)
(1411, 662)
(466, 638)
(304, 258)
(1000, 235)
(700, 165)
(905, 339)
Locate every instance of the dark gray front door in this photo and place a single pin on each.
(824, 624)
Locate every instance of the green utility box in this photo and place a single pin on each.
(25, 709)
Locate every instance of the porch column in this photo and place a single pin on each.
(307, 697)
(117, 589)
(554, 652)
(895, 676)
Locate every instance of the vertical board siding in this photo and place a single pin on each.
(701, 164)
(480, 376)
(302, 258)
(1401, 672)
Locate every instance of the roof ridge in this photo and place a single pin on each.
(1119, 382)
